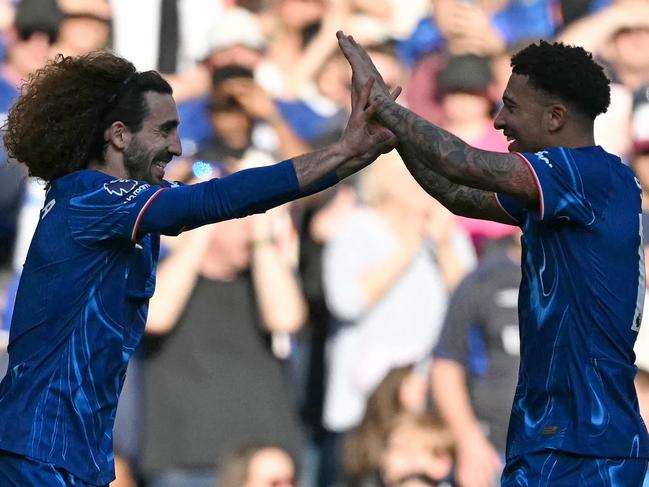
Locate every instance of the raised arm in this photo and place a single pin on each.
(469, 175)
(172, 210)
(460, 199)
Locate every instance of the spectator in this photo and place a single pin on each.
(84, 27)
(221, 293)
(387, 275)
(418, 451)
(484, 28)
(258, 466)
(28, 41)
(402, 389)
(476, 362)
(318, 112)
(236, 40)
(318, 218)
(619, 36)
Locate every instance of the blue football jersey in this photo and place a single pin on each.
(80, 312)
(580, 305)
(83, 297)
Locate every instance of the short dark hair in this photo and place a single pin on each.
(568, 72)
(57, 125)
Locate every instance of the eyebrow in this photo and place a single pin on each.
(170, 124)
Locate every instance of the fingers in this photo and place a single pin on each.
(395, 93)
(363, 98)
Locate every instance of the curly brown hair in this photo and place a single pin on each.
(57, 125)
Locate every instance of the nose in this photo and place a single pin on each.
(499, 121)
(175, 147)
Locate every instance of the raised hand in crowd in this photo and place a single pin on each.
(467, 28)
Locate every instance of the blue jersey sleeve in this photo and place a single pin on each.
(512, 206)
(125, 208)
(562, 194)
(240, 194)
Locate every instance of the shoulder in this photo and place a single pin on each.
(88, 187)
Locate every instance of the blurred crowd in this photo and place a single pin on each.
(363, 336)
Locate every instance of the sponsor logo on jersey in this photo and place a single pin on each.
(137, 191)
(542, 155)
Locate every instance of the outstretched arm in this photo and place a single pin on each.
(170, 211)
(460, 199)
(468, 175)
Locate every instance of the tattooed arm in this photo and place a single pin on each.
(461, 200)
(469, 174)
(460, 176)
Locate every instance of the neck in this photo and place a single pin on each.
(110, 166)
(575, 137)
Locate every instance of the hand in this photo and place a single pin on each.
(364, 140)
(478, 462)
(363, 68)
(255, 101)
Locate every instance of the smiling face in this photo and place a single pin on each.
(523, 116)
(150, 149)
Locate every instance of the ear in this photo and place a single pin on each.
(556, 116)
(118, 135)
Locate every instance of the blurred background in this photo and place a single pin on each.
(363, 336)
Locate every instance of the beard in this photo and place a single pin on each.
(138, 162)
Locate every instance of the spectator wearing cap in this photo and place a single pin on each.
(236, 41)
(464, 89)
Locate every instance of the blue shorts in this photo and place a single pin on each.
(552, 468)
(21, 471)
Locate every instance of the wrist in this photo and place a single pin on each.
(343, 150)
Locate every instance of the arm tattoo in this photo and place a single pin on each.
(431, 147)
(461, 200)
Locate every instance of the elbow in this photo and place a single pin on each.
(158, 326)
